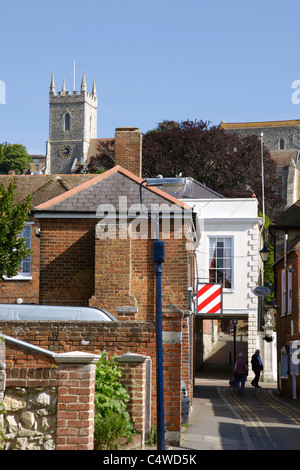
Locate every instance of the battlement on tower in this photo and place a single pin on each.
(65, 96)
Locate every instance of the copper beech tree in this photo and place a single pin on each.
(225, 162)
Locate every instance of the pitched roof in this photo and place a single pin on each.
(290, 218)
(284, 157)
(42, 187)
(106, 189)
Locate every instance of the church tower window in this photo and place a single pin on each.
(281, 144)
(67, 122)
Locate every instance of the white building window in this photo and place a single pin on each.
(220, 261)
(26, 262)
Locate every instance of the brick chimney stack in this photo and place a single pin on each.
(128, 149)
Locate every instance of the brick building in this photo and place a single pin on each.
(92, 245)
(72, 262)
(286, 234)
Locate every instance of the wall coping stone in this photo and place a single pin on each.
(131, 357)
(76, 357)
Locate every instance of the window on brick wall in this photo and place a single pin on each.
(26, 262)
(283, 292)
(25, 266)
(284, 362)
(220, 261)
(290, 292)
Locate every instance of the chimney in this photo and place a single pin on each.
(128, 149)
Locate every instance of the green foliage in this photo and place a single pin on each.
(268, 269)
(12, 220)
(152, 439)
(13, 157)
(112, 421)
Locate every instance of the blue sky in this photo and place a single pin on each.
(151, 60)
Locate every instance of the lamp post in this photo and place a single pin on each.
(264, 254)
(159, 258)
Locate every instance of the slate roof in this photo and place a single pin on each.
(106, 189)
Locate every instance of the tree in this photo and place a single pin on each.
(104, 159)
(13, 157)
(225, 162)
(12, 220)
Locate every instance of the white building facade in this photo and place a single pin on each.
(228, 253)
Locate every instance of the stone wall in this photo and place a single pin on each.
(30, 418)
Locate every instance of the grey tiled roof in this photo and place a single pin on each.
(107, 189)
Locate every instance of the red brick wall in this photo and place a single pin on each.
(67, 261)
(80, 269)
(75, 407)
(128, 149)
(283, 323)
(115, 338)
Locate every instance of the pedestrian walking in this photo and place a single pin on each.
(257, 367)
(240, 371)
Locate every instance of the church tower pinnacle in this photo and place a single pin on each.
(52, 85)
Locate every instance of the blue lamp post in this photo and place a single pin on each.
(159, 259)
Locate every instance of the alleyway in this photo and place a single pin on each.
(223, 420)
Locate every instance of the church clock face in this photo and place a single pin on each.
(66, 151)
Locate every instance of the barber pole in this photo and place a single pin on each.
(210, 298)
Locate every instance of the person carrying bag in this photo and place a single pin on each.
(240, 371)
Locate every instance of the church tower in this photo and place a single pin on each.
(72, 125)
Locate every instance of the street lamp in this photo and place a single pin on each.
(264, 254)
(159, 258)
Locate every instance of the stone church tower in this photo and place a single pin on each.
(72, 125)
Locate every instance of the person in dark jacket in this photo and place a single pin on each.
(257, 366)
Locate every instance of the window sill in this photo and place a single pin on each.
(19, 277)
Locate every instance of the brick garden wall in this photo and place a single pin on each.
(119, 338)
